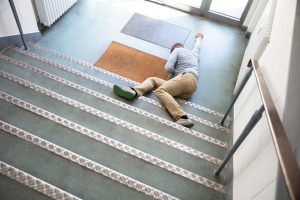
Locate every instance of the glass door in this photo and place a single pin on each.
(228, 10)
(191, 6)
(231, 11)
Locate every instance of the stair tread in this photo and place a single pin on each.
(87, 101)
(93, 122)
(8, 188)
(83, 63)
(97, 99)
(110, 76)
(183, 191)
(95, 86)
(38, 186)
(62, 173)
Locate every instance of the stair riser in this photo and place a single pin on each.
(104, 131)
(61, 172)
(157, 149)
(51, 63)
(123, 164)
(50, 126)
(96, 86)
(102, 100)
(72, 113)
(40, 50)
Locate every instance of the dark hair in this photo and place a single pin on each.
(176, 45)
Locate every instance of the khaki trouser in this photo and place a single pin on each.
(182, 86)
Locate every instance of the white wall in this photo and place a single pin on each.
(257, 12)
(25, 11)
(260, 38)
(256, 163)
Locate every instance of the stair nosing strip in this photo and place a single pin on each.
(103, 115)
(102, 82)
(35, 183)
(85, 162)
(84, 63)
(4, 49)
(114, 143)
(107, 99)
(185, 173)
(98, 113)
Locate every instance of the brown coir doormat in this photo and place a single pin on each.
(131, 63)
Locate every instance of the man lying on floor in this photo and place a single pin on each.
(183, 65)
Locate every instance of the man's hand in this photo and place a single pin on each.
(199, 35)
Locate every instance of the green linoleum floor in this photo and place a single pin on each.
(85, 32)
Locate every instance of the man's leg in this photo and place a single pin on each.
(183, 84)
(139, 90)
(148, 85)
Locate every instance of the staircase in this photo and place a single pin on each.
(66, 135)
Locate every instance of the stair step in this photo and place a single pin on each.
(67, 104)
(39, 52)
(30, 60)
(30, 181)
(110, 100)
(106, 121)
(62, 172)
(106, 171)
(83, 63)
(37, 110)
(61, 136)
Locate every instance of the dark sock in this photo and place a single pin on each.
(134, 91)
(184, 117)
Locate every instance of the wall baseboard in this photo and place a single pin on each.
(16, 39)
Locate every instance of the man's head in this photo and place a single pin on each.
(176, 45)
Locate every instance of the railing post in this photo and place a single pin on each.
(13, 8)
(246, 78)
(253, 121)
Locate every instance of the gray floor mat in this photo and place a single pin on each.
(155, 31)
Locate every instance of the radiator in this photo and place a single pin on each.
(51, 10)
(259, 40)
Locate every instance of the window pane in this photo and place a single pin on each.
(232, 8)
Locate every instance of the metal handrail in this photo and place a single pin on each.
(287, 161)
(13, 8)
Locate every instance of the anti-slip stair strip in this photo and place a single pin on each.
(118, 145)
(107, 117)
(34, 183)
(94, 166)
(102, 82)
(99, 113)
(83, 63)
(103, 97)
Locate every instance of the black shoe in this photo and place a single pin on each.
(125, 92)
(185, 122)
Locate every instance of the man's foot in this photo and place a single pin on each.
(186, 122)
(125, 92)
